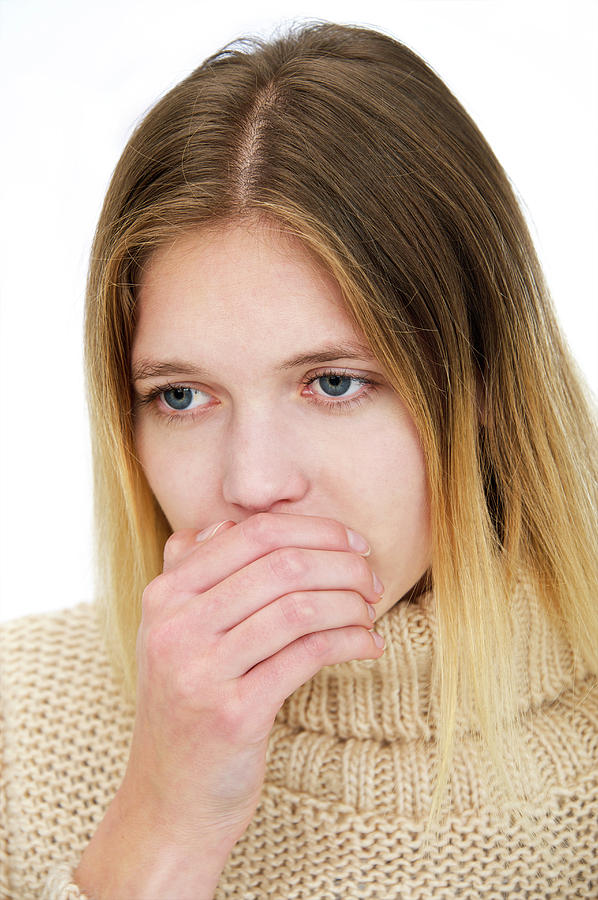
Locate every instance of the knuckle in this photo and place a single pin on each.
(317, 644)
(297, 609)
(260, 530)
(173, 547)
(287, 563)
(176, 547)
(230, 719)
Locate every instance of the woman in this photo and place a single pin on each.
(329, 401)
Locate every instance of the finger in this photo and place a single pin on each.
(285, 620)
(183, 542)
(284, 571)
(237, 547)
(269, 683)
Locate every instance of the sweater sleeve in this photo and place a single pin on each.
(60, 886)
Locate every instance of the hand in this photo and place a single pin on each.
(232, 626)
(229, 630)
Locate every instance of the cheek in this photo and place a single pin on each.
(181, 478)
(398, 480)
(395, 487)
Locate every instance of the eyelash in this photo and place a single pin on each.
(149, 399)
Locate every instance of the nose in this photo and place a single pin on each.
(263, 462)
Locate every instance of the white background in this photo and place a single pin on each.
(76, 76)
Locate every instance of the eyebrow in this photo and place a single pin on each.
(147, 368)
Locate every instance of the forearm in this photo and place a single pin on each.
(134, 855)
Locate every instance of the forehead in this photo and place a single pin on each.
(239, 280)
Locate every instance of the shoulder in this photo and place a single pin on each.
(54, 666)
(48, 650)
(45, 633)
(64, 732)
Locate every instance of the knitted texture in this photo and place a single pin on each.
(348, 778)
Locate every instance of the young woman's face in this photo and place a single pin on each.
(245, 422)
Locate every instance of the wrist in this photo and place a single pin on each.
(135, 853)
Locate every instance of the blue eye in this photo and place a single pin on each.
(338, 383)
(180, 397)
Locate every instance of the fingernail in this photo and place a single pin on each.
(378, 586)
(210, 531)
(378, 639)
(358, 543)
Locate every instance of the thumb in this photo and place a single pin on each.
(212, 530)
(183, 542)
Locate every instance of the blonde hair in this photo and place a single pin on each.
(345, 138)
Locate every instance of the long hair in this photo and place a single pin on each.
(346, 139)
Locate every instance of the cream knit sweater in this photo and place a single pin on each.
(348, 775)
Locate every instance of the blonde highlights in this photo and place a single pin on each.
(346, 139)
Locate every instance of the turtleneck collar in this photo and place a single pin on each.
(362, 734)
(390, 698)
